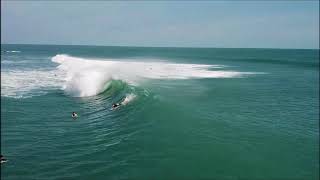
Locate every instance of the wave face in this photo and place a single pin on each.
(88, 77)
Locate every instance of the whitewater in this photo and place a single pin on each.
(81, 77)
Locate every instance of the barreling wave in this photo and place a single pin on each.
(80, 77)
(88, 77)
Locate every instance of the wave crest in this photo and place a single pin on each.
(88, 77)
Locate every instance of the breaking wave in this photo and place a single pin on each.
(88, 77)
(80, 77)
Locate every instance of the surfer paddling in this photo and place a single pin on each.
(74, 115)
(3, 160)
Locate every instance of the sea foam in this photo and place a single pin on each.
(22, 84)
(88, 77)
(80, 77)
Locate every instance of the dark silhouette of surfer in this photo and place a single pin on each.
(3, 160)
(74, 115)
(115, 105)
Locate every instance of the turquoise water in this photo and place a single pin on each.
(186, 113)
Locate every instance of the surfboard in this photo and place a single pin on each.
(114, 108)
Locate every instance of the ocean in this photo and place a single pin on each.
(185, 113)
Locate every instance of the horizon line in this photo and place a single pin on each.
(135, 46)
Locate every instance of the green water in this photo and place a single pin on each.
(263, 125)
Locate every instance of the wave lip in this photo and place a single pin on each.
(88, 77)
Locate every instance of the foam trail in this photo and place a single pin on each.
(19, 83)
(128, 99)
(13, 51)
(88, 77)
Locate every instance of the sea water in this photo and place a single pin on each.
(186, 113)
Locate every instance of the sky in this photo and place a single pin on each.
(229, 24)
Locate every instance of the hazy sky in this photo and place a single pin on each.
(286, 24)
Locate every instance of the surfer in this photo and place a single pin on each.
(115, 105)
(3, 160)
(74, 115)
